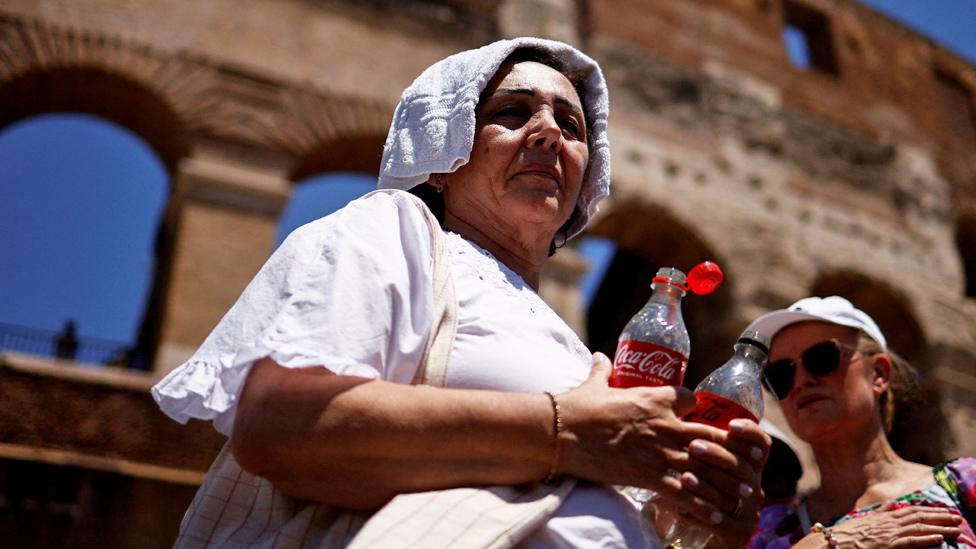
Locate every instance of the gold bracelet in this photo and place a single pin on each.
(827, 534)
(557, 427)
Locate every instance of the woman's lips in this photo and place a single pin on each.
(541, 171)
(808, 400)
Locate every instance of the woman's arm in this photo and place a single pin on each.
(890, 527)
(356, 442)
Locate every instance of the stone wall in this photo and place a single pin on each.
(856, 176)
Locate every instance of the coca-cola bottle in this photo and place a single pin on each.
(654, 346)
(733, 390)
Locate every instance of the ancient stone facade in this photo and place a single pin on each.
(854, 176)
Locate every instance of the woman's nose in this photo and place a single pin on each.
(801, 376)
(546, 133)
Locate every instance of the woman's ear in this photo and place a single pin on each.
(882, 373)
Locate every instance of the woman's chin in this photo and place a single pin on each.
(536, 208)
(823, 427)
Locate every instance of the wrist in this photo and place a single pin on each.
(826, 534)
(557, 429)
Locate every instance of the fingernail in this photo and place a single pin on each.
(756, 452)
(745, 490)
(691, 479)
(737, 426)
(716, 517)
(698, 447)
(598, 357)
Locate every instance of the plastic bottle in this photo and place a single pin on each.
(733, 390)
(654, 346)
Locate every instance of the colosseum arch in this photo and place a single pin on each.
(48, 70)
(648, 237)
(966, 244)
(917, 421)
(886, 305)
(329, 175)
(96, 91)
(232, 139)
(348, 153)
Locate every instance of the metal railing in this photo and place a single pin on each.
(47, 343)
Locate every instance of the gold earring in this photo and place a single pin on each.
(439, 186)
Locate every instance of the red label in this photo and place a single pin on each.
(717, 411)
(642, 364)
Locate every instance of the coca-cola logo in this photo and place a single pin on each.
(657, 362)
(717, 411)
(642, 363)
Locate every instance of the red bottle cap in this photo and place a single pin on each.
(704, 278)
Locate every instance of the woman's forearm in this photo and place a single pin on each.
(356, 442)
(812, 541)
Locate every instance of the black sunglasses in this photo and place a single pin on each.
(820, 359)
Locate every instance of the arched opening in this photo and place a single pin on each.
(320, 195)
(112, 98)
(81, 199)
(350, 153)
(647, 238)
(888, 307)
(99, 93)
(919, 427)
(966, 243)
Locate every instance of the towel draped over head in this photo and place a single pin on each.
(434, 124)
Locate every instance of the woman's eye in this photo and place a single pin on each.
(571, 126)
(509, 111)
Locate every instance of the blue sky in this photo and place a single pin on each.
(948, 22)
(80, 201)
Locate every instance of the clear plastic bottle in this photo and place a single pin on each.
(654, 346)
(733, 390)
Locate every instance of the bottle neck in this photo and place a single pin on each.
(754, 355)
(666, 293)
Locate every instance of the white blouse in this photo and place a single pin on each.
(352, 292)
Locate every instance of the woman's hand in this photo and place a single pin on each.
(635, 437)
(730, 474)
(893, 526)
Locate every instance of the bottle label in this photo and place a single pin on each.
(644, 364)
(717, 411)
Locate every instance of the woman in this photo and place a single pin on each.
(309, 373)
(838, 385)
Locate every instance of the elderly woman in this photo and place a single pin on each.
(310, 374)
(838, 384)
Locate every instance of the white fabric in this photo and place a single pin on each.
(434, 123)
(352, 291)
(317, 301)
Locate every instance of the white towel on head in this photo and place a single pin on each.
(433, 125)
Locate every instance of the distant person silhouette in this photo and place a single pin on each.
(66, 346)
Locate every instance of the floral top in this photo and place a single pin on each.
(953, 487)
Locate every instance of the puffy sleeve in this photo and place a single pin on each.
(350, 292)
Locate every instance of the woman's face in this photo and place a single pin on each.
(529, 154)
(837, 405)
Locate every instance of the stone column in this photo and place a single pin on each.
(225, 211)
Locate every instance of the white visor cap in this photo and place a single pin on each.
(833, 309)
